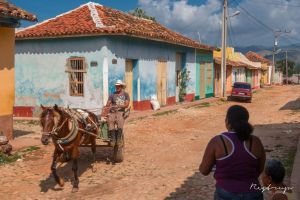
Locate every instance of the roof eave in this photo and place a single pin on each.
(116, 34)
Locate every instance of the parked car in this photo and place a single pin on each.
(241, 91)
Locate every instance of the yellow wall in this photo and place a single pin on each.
(7, 51)
(229, 53)
(264, 74)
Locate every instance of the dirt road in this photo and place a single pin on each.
(162, 153)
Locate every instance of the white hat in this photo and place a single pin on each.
(119, 82)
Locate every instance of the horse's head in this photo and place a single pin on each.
(49, 119)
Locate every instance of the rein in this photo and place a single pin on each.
(54, 130)
(70, 136)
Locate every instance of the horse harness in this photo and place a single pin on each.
(75, 117)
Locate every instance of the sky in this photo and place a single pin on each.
(200, 19)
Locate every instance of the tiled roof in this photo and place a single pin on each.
(250, 64)
(232, 63)
(95, 19)
(255, 57)
(10, 10)
(228, 62)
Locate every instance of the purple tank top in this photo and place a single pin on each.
(237, 171)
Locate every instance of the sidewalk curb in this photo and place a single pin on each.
(147, 113)
(295, 177)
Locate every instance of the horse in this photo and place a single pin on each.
(68, 133)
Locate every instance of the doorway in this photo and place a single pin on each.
(162, 82)
(129, 80)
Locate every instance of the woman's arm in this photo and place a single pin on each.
(261, 152)
(208, 159)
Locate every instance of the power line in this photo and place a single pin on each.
(291, 37)
(278, 4)
(254, 18)
(265, 26)
(255, 22)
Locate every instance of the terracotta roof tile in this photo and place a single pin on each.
(9, 10)
(255, 57)
(228, 62)
(81, 21)
(234, 63)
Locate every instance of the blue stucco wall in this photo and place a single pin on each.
(146, 53)
(40, 72)
(41, 77)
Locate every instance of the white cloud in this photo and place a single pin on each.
(189, 19)
(184, 18)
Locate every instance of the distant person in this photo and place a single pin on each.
(272, 180)
(238, 157)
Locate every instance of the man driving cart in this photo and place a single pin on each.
(118, 102)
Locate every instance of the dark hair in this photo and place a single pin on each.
(275, 170)
(237, 117)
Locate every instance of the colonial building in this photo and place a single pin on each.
(238, 69)
(10, 17)
(75, 58)
(266, 67)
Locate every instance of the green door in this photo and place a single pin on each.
(249, 76)
(209, 79)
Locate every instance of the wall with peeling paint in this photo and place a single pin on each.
(41, 77)
(147, 53)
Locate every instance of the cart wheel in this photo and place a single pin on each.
(118, 154)
(118, 151)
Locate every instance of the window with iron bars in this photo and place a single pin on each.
(76, 68)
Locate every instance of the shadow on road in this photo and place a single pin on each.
(292, 105)
(194, 187)
(84, 163)
(280, 142)
(19, 133)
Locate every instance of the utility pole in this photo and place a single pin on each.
(277, 33)
(224, 45)
(286, 68)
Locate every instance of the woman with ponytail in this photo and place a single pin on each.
(237, 157)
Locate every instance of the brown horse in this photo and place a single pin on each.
(67, 133)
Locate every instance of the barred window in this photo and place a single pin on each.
(76, 68)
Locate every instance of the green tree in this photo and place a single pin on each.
(139, 12)
(291, 67)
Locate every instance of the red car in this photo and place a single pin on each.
(241, 91)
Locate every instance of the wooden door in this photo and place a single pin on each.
(162, 82)
(202, 80)
(228, 78)
(209, 83)
(129, 80)
(249, 76)
(217, 83)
